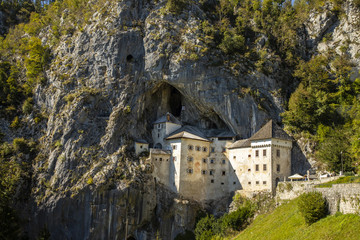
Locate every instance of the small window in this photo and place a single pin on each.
(278, 152)
(198, 148)
(155, 159)
(174, 147)
(190, 147)
(212, 160)
(249, 183)
(278, 167)
(264, 152)
(234, 183)
(249, 169)
(212, 180)
(204, 149)
(222, 183)
(234, 157)
(257, 167)
(160, 159)
(249, 156)
(211, 172)
(158, 135)
(204, 160)
(264, 167)
(203, 172)
(257, 182)
(257, 153)
(189, 170)
(190, 159)
(223, 173)
(174, 158)
(140, 146)
(223, 161)
(212, 149)
(159, 126)
(223, 149)
(264, 182)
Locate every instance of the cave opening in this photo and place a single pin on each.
(129, 58)
(175, 102)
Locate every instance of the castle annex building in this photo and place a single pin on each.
(203, 164)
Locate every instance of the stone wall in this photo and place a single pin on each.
(344, 198)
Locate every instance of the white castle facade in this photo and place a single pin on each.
(209, 164)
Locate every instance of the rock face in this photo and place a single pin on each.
(110, 81)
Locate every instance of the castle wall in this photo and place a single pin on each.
(141, 147)
(162, 164)
(284, 160)
(176, 147)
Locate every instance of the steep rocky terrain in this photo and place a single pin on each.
(107, 82)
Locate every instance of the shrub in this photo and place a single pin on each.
(204, 228)
(312, 206)
(28, 106)
(15, 123)
(238, 219)
(176, 6)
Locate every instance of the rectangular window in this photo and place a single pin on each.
(198, 148)
(264, 152)
(256, 153)
(278, 167)
(249, 183)
(190, 159)
(257, 182)
(212, 149)
(174, 147)
(190, 147)
(204, 149)
(204, 160)
(223, 173)
(278, 152)
(212, 181)
(160, 159)
(223, 161)
(264, 167)
(264, 182)
(189, 170)
(174, 158)
(234, 157)
(234, 183)
(203, 172)
(249, 156)
(211, 172)
(257, 167)
(212, 160)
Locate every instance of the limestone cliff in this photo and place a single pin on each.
(108, 82)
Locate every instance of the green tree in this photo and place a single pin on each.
(312, 207)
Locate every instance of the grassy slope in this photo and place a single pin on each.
(348, 179)
(286, 223)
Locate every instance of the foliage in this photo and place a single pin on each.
(188, 235)
(176, 6)
(312, 206)
(347, 179)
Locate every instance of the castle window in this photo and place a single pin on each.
(257, 182)
(278, 152)
(249, 156)
(204, 160)
(257, 167)
(160, 159)
(234, 157)
(223, 173)
(167, 159)
(190, 159)
(278, 167)
(158, 135)
(174, 147)
(264, 182)
(256, 153)
(211, 172)
(223, 161)
(212, 160)
(223, 149)
(198, 148)
(140, 146)
(190, 147)
(264, 152)
(174, 158)
(155, 159)
(264, 167)
(159, 126)
(212, 181)
(222, 183)
(249, 169)
(249, 183)
(212, 149)
(234, 183)
(189, 170)
(204, 149)
(203, 172)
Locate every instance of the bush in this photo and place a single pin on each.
(312, 206)
(238, 219)
(28, 106)
(176, 6)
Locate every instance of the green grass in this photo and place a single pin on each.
(285, 222)
(348, 179)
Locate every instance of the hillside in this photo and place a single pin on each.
(285, 222)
